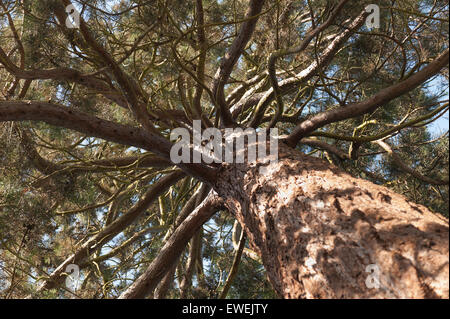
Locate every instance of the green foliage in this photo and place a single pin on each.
(53, 202)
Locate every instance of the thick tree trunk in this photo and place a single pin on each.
(317, 229)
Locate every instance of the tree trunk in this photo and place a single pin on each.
(317, 229)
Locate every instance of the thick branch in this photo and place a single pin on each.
(93, 126)
(232, 56)
(169, 254)
(195, 200)
(88, 124)
(194, 250)
(371, 104)
(234, 267)
(83, 252)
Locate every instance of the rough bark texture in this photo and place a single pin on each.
(317, 228)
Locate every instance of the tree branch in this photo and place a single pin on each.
(93, 126)
(399, 162)
(110, 231)
(286, 85)
(325, 146)
(297, 49)
(232, 56)
(369, 105)
(172, 249)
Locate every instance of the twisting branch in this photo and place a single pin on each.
(232, 56)
(429, 117)
(128, 85)
(20, 47)
(66, 74)
(43, 165)
(297, 49)
(87, 80)
(197, 108)
(55, 170)
(264, 99)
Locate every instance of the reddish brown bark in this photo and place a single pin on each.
(317, 229)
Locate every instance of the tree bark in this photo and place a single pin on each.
(317, 229)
